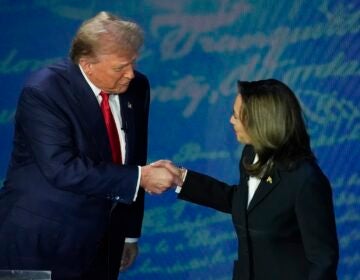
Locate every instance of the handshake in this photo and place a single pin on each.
(161, 175)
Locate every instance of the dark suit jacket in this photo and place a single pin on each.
(287, 232)
(55, 206)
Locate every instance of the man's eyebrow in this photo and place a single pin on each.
(120, 65)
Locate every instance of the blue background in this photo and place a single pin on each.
(194, 52)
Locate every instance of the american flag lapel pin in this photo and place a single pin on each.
(269, 180)
(129, 105)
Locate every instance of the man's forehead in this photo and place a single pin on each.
(118, 58)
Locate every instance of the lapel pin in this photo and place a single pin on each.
(269, 180)
(129, 105)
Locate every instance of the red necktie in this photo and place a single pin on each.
(111, 128)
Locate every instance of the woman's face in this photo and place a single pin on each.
(240, 131)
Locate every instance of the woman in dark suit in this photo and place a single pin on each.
(282, 208)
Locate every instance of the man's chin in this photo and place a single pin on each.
(121, 89)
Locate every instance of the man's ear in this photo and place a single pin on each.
(86, 65)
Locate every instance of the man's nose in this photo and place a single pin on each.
(129, 72)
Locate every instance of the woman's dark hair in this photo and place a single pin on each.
(273, 118)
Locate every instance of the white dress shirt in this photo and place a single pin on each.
(114, 103)
(253, 183)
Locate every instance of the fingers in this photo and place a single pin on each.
(160, 163)
(168, 164)
(148, 191)
(163, 180)
(159, 177)
(130, 252)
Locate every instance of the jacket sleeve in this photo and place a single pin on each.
(207, 191)
(47, 134)
(132, 215)
(315, 214)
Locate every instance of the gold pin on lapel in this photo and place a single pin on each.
(269, 180)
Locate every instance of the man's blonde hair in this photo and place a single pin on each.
(103, 34)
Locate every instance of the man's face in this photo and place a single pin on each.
(111, 73)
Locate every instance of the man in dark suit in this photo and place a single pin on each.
(74, 189)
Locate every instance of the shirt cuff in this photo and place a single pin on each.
(137, 184)
(178, 188)
(131, 240)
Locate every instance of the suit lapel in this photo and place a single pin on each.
(265, 187)
(127, 117)
(89, 113)
(244, 192)
(242, 198)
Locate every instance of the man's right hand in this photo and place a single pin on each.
(157, 179)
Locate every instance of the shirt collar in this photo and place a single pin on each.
(94, 88)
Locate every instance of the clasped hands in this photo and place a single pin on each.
(161, 175)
